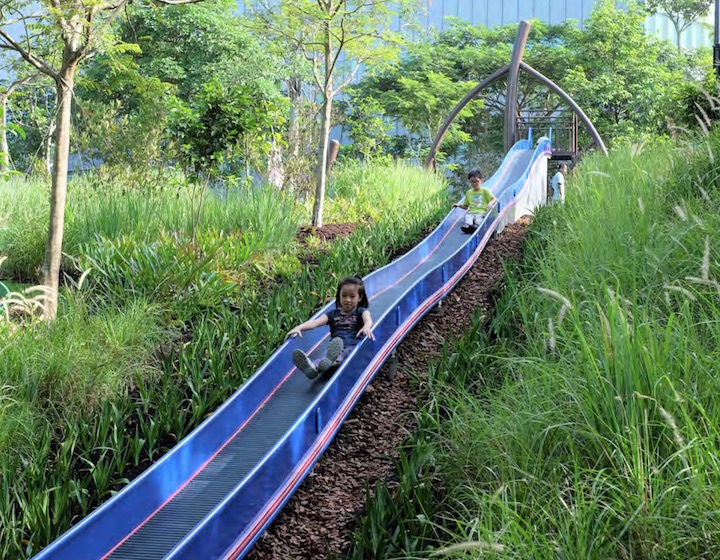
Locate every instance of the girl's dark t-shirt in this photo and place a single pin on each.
(346, 326)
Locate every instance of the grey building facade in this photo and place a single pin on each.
(491, 13)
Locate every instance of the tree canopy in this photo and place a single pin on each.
(336, 37)
(626, 80)
(682, 13)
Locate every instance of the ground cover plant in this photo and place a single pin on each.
(582, 422)
(163, 332)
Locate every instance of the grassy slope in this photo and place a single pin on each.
(97, 370)
(591, 430)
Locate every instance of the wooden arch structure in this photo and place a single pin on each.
(513, 72)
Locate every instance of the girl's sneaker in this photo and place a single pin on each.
(335, 346)
(304, 364)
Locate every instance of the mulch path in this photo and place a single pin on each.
(318, 520)
(328, 232)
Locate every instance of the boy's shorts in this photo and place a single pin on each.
(474, 219)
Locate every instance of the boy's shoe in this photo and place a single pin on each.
(304, 364)
(467, 228)
(335, 346)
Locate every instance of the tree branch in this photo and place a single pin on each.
(86, 49)
(36, 61)
(176, 2)
(316, 70)
(16, 84)
(341, 44)
(359, 63)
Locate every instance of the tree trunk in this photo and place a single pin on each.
(276, 173)
(333, 149)
(322, 160)
(4, 148)
(294, 94)
(53, 250)
(321, 174)
(47, 160)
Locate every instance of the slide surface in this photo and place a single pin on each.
(215, 492)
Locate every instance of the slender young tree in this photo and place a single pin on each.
(682, 13)
(332, 35)
(55, 36)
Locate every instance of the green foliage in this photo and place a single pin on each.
(22, 227)
(337, 37)
(580, 424)
(626, 81)
(196, 55)
(321, 30)
(438, 69)
(69, 368)
(414, 92)
(221, 121)
(682, 13)
(233, 313)
(189, 277)
(104, 215)
(122, 124)
(6, 170)
(196, 44)
(356, 188)
(367, 128)
(698, 99)
(397, 520)
(684, 10)
(33, 107)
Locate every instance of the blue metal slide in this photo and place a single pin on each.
(215, 492)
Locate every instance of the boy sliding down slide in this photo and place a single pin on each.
(478, 201)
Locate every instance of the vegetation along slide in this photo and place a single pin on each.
(219, 488)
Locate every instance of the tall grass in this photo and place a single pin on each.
(355, 191)
(234, 227)
(50, 372)
(24, 207)
(588, 427)
(258, 219)
(233, 313)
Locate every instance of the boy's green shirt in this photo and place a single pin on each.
(477, 201)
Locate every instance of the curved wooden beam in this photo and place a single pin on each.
(569, 100)
(430, 160)
(512, 83)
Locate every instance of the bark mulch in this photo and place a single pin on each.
(318, 520)
(328, 232)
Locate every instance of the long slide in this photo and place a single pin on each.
(216, 491)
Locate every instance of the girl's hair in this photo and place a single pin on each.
(476, 173)
(357, 281)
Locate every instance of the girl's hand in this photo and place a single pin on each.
(294, 332)
(366, 331)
